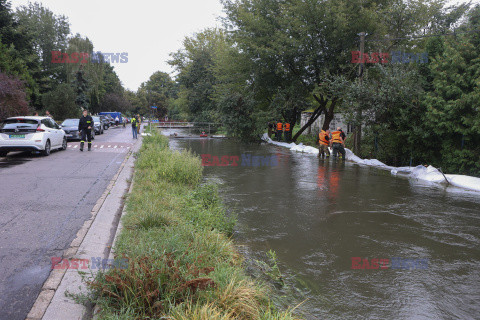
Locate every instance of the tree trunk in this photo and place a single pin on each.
(329, 115)
(357, 139)
(316, 113)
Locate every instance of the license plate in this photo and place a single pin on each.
(17, 136)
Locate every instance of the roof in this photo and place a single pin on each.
(29, 117)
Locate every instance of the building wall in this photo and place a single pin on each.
(337, 121)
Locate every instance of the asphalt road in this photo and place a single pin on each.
(44, 201)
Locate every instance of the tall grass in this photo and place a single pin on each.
(182, 264)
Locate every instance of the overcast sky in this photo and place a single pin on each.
(147, 29)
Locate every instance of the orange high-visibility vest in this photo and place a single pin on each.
(336, 138)
(321, 136)
(287, 126)
(279, 126)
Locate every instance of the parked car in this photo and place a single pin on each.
(31, 134)
(111, 121)
(70, 126)
(98, 125)
(113, 115)
(105, 121)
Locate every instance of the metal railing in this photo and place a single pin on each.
(188, 125)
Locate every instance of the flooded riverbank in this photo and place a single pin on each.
(318, 215)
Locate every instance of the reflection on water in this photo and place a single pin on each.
(318, 214)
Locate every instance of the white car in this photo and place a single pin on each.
(31, 134)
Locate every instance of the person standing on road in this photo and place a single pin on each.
(134, 128)
(279, 130)
(286, 129)
(337, 143)
(324, 141)
(116, 121)
(85, 129)
(139, 122)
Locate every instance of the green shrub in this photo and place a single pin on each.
(182, 264)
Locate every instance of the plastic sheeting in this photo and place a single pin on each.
(430, 174)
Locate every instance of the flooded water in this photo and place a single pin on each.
(318, 215)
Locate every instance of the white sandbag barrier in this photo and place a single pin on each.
(430, 174)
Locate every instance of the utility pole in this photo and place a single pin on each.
(357, 138)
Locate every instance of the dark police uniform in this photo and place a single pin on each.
(83, 125)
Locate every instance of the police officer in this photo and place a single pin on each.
(85, 129)
(134, 127)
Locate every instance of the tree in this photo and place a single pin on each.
(389, 100)
(194, 64)
(49, 33)
(12, 97)
(158, 91)
(299, 48)
(81, 89)
(295, 47)
(61, 102)
(135, 102)
(452, 112)
(17, 54)
(115, 102)
(235, 102)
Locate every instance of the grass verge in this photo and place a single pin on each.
(181, 261)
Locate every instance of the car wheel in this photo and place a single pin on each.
(3, 154)
(64, 144)
(46, 152)
(93, 135)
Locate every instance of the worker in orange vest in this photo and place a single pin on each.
(324, 141)
(338, 138)
(279, 130)
(288, 132)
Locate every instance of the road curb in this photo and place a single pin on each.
(96, 310)
(50, 287)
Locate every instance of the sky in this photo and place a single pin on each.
(148, 30)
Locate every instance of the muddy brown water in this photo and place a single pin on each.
(318, 215)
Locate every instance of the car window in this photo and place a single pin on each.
(70, 122)
(18, 123)
(52, 123)
(47, 123)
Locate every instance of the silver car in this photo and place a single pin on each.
(98, 125)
